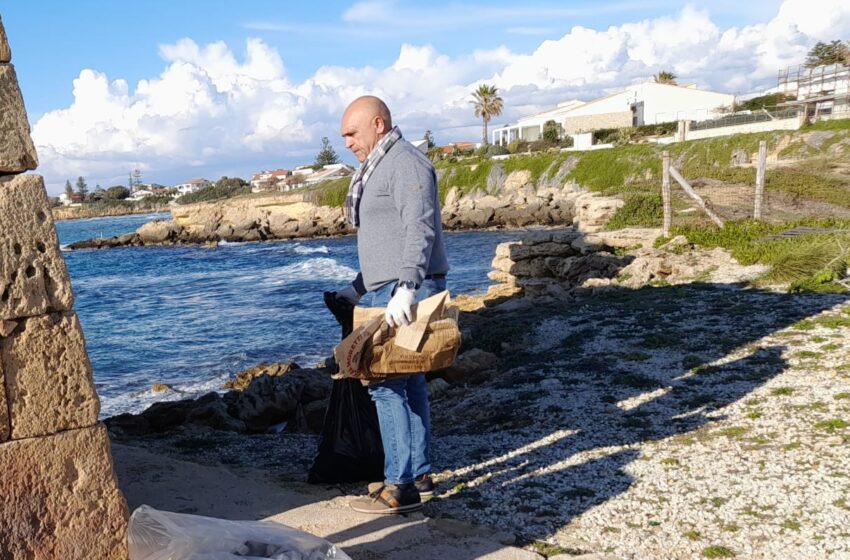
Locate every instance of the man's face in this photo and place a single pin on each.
(361, 132)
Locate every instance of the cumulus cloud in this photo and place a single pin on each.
(208, 113)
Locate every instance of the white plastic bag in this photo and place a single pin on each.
(162, 535)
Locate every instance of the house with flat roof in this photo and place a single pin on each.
(269, 180)
(192, 185)
(637, 105)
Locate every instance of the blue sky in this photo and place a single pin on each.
(289, 69)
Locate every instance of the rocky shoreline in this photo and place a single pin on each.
(515, 201)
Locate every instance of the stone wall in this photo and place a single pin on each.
(586, 123)
(59, 499)
(560, 263)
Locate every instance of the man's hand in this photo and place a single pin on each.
(349, 294)
(399, 310)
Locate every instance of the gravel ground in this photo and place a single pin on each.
(668, 422)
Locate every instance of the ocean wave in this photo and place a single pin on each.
(320, 268)
(307, 250)
(137, 401)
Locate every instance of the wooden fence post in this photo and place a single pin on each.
(762, 165)
(665, 192)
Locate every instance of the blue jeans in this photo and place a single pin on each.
(403, 410)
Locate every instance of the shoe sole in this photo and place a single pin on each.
(400, 509)
(426, 494)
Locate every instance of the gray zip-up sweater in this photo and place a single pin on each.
(400, 235)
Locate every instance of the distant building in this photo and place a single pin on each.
(269, 180)
(191, 186)
(75, 198)
(637, 105)
(821, 93)
(140, 194)
(327, 173)
(459, 147)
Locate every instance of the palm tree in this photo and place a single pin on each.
(487, 104)
(665, 77)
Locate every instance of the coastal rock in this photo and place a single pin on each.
(17, 153)
(46, 369)
(211, 411)
(33, 277)
(244, 379)
(5, 51)
(473, 366)
(158, 231)
(267, 401)
(452, 197)
(628, 238)
(592, 211)
(283, 226)
(517, 180)
(61, 499)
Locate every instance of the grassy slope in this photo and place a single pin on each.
(633, 171)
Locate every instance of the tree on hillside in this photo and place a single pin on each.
(327, 154)
(487, 104)
(82, 188)
(551, 132)
(231, 182)
(665, 77)
(429, 139)
(117, 193)
(69, 189)
(834, 52)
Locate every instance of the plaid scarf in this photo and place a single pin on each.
(355, 189)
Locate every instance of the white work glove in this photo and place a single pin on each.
(399, 310)
(349, 294)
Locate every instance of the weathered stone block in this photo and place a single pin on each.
(48, 376)
(33, 277)
(17, 153)
(5, 52)
(4, 411)
(60, 498)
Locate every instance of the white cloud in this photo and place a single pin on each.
(209, 113)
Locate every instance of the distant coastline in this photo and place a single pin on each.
(83, 213)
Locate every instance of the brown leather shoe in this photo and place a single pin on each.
(388, 499)
(425, 485)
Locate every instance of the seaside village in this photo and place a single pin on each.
(659, 369)
(659, 111)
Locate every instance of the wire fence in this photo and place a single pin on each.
(774, 196)
(746, 118)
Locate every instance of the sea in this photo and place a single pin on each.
(193, 317)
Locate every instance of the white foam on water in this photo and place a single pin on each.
(64, 248)
(320, 268)
(307, 250)
(138, 401)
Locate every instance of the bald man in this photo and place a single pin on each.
(393, 203)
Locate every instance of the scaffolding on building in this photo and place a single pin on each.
(822, 92)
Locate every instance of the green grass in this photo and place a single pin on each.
(841, 124)
(808, 263)
(832, 425)
(717, 551)
(333, 193)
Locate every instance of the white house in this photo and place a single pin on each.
(637, 105)
(140, 194)
(328, 172)
(266, 180)
(192, 185)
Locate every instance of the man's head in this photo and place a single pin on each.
(364, 123)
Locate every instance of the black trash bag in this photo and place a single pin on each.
(350, 449)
